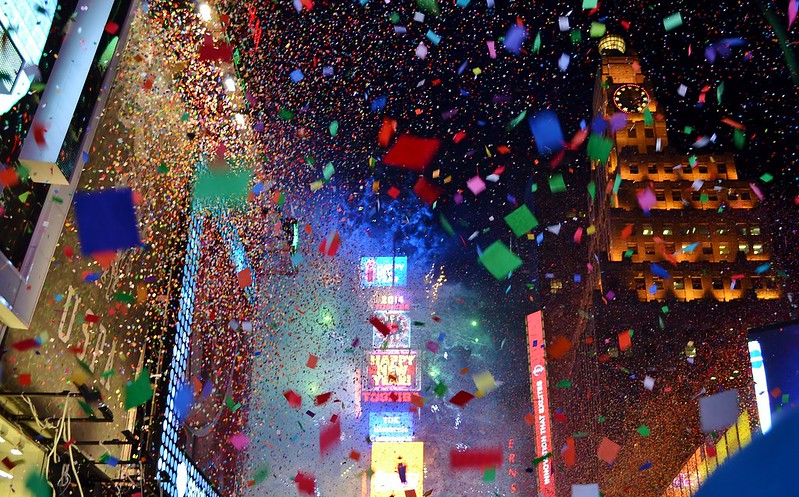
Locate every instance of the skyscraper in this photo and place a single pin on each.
(679, 268)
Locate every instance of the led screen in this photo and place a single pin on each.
(384, 271)
(774, 354)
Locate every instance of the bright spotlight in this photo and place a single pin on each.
(205, 12)
(230, 84)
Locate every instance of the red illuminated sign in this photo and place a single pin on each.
(540, 394)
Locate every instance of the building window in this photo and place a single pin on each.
(647, 230)
(640, 284)
(732, 195)
(631, 133)
(696, 283)
(704, 231)
(721, 231)
(754, 231)
(555, 285)
(707, 249)
(649, 248)
(721, 168)
(669, 247)
(676, 195)
(632, 248)
(702, 169)
(658, 283)
(684, 229)
(649, 132)
(696, 196)
(713, 196)
(757, 283)
(757, 248)
(718, 284)
(724, 249)
(652, 168)
(742, 229)
(667, 231)
(745, 196)
(668, 169)
(743, 247)
(660, 195)
(633, 168)
(679, 284)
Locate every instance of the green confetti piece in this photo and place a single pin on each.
(564, 384)
(720, 92)
(648, 119)
(592, 190)
(429, 6)
(57, 199)
(601, 419)
(418, 323)
(230, 188)
(445, 224)
(616, 184)
(24, 197)
(785, 398)
(665, 309)
(440, 389)
(86, 407)
(124, 297)
(38, 486)
(521, 221)
(539, 460)
(580, 434)
(261, 475)
(108, 374)
(739, 139)
(556, 183)
(704, 198)
(163, 168)
(576, 36)
(84, 366)
(490, 474)
(515, 122)
(328, 171)
(334, 128)
(184, 117)
(692, 160)
(766, 178)
(643, 430)
(139, 391)
(688, 130)
(537, 42)
(231, 404)
(285, 114)
(499, 260)
(589, 4)
(599, 148)
(597, 30)
(673, 21)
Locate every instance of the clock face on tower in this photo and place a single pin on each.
(631, 98)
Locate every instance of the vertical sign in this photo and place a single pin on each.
(540, 394)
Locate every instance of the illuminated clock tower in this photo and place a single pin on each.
(702, 227)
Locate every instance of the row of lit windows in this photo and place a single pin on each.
(697, 283)
(701, 229)
(724, 249)
(720, 168)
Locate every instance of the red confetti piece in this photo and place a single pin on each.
(411, 152)
(329, 437)
(461, 398)
(475, 458)
(306, 483)
(380, 325)
(426, 190)
(27, 344)
(322, 398)
(294, 399)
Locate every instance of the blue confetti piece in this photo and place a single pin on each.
(507, 290)
(379, 103)
(59, 297)
(547, 132)
(762, 268)
(297, 75)
(183, 400)
(257, 189)
(659, 271)
(85, 157)
(92, 277)
(514, 38)
(539, 238)
(434, 38)
(645, 466)
(441, 337)
(690, 248)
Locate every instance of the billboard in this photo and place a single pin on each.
(774, 357)
(540, 397)
(391, 426)
(384, 271)
(392, 370)
(386, 458)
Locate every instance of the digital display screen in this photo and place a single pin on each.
(400, 325)
(774, 356)
(384, 271)
(392, 370)
(391, 426)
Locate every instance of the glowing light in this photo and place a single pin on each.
(474, 323)
(6, 475)
(230, 84)
(205, 12)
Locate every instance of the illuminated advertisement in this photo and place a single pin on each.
(400, 336)
(380, 397)
(384, 271)
(391, 426)
(540, 395)
(392, 370)
(393, 462)
(774, 356)
(385, 302)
